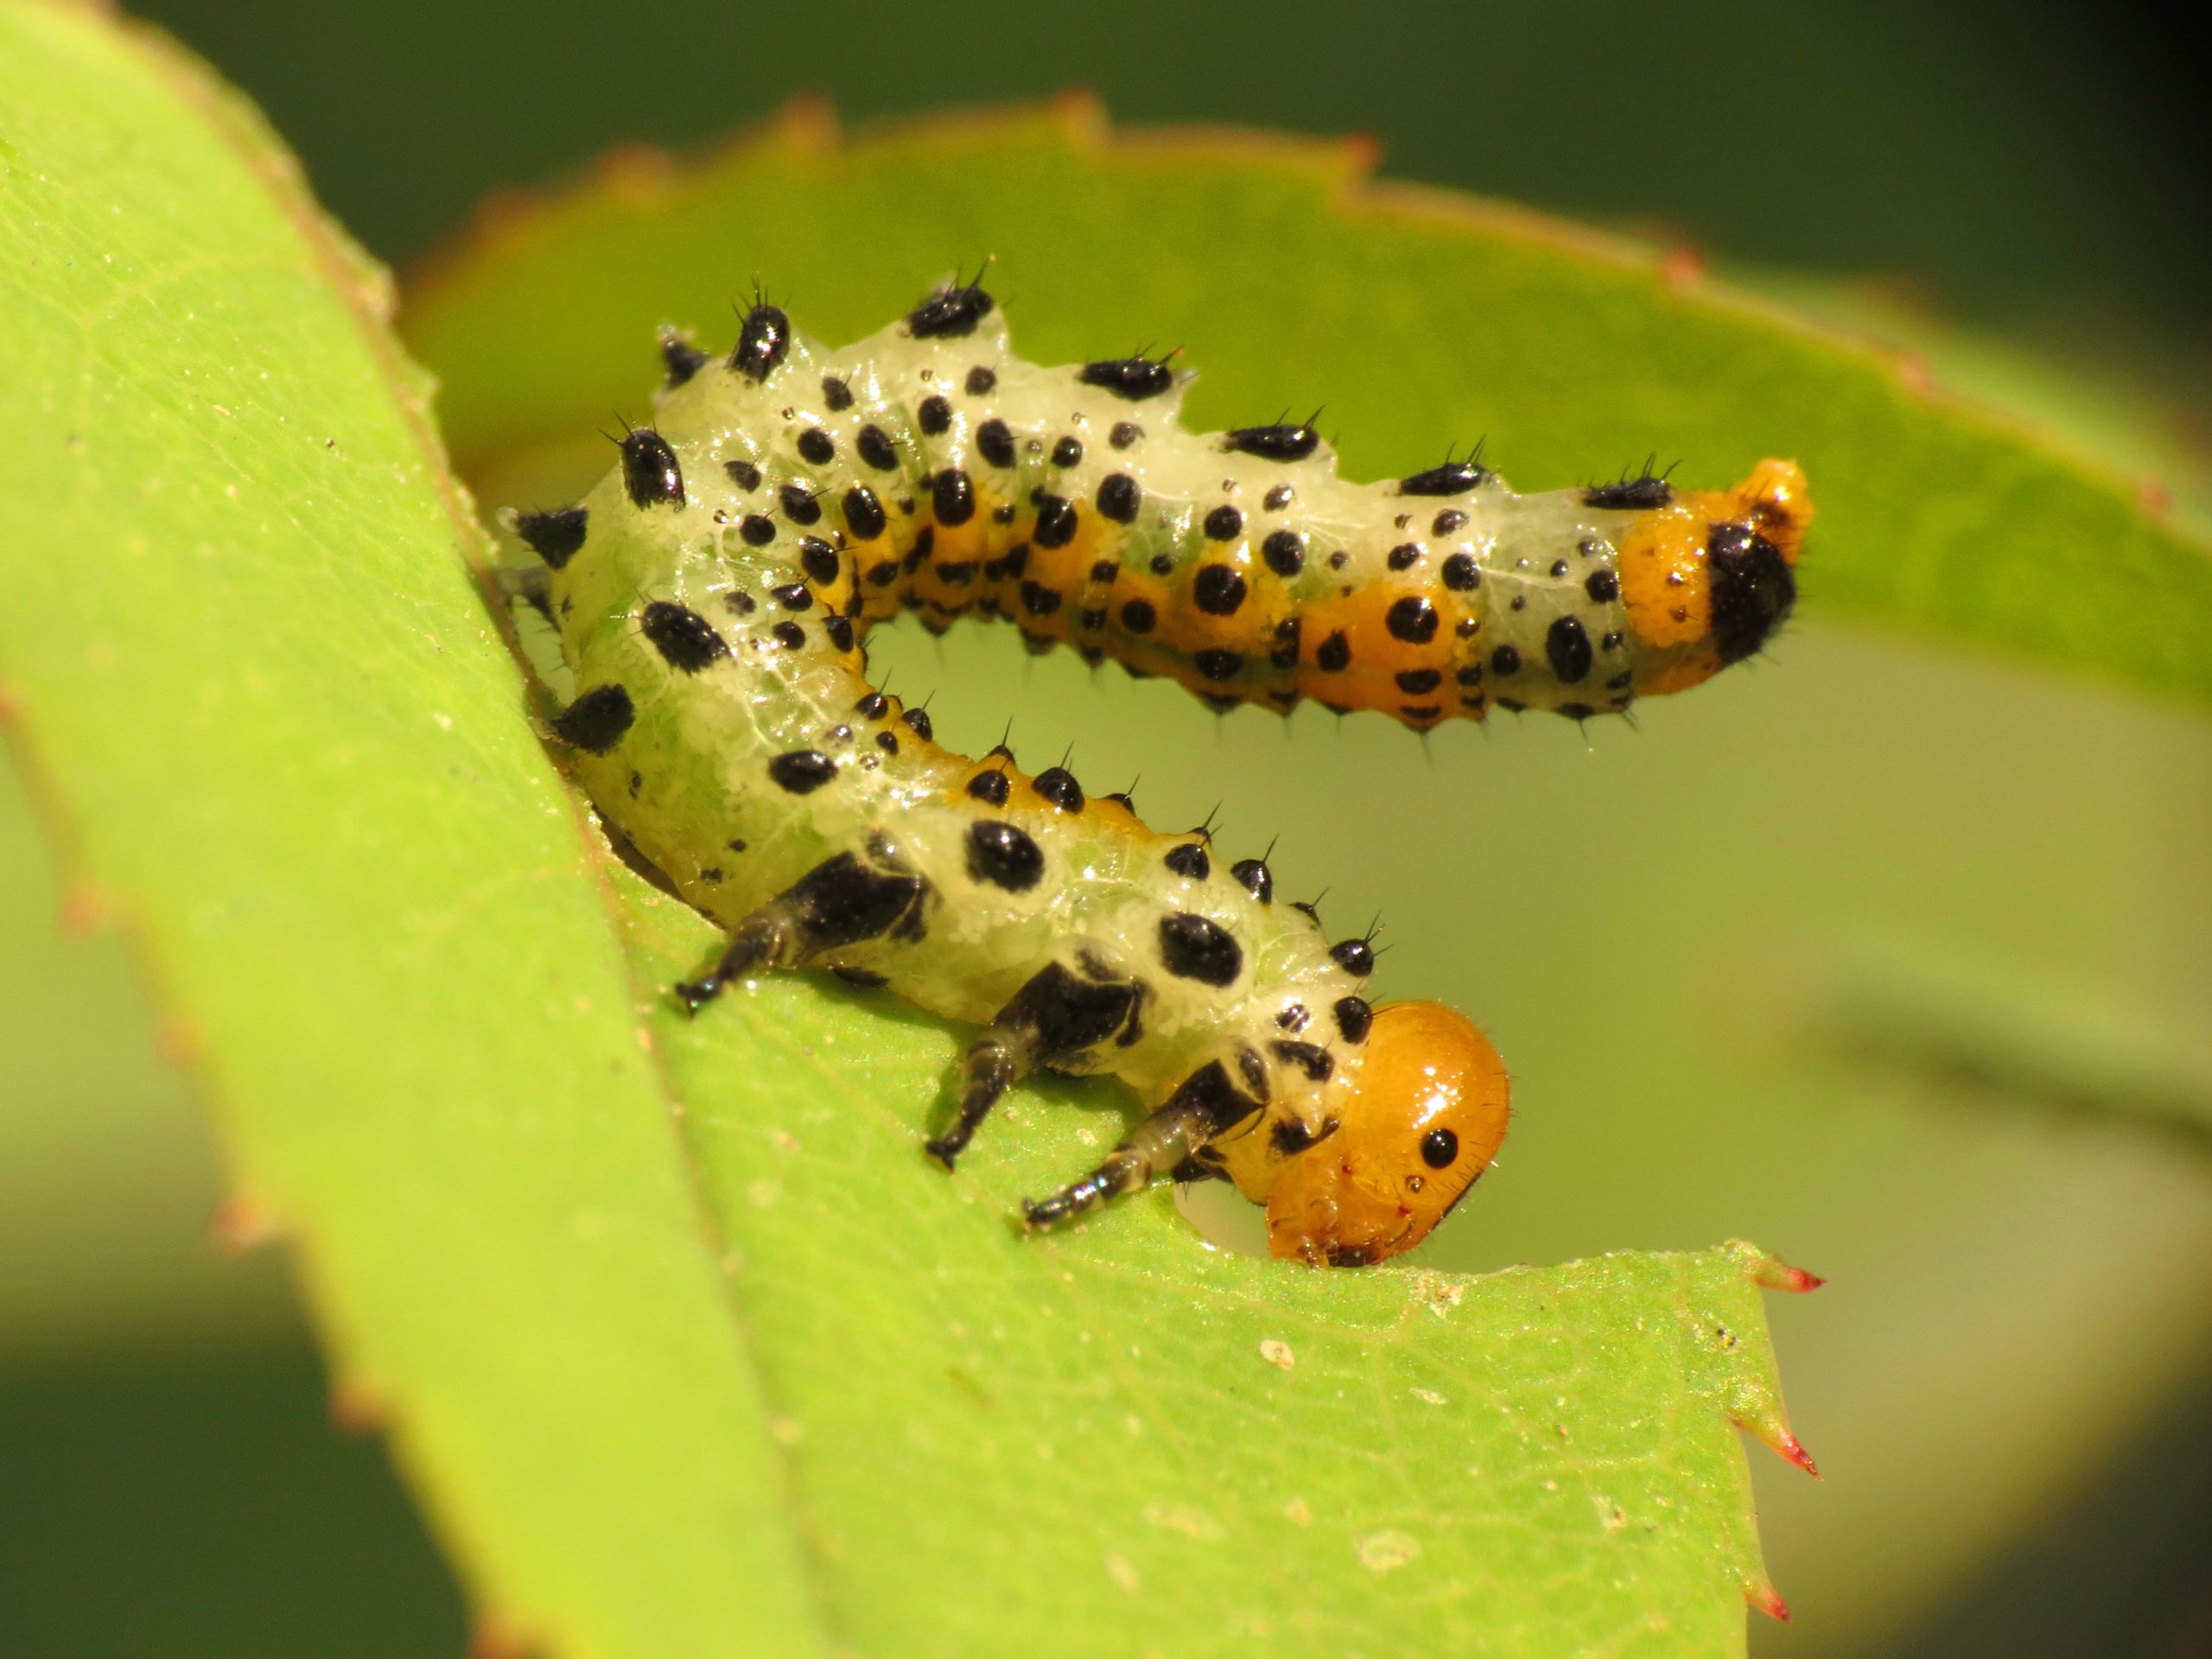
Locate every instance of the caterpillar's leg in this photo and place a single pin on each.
(1059, 1014)
(995, 1062)
(842, 900)
(1203, 1108)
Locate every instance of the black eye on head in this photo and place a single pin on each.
(1439, 1147)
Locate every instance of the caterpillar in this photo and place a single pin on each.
(713, 592)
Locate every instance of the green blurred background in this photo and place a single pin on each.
(2008, 1381)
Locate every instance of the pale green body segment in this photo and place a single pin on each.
(690, 780)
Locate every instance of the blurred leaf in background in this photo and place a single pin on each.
(2016, 1300)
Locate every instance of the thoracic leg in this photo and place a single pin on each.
(841, 901)
(1057, 1013)
(1200, 1112)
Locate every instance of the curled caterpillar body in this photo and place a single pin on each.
(712, 594)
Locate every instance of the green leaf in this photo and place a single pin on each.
(241, 650)
(698, 1357)
(1417, 318)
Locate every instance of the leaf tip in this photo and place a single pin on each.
(85, 910)
(498, 1637)
(1681, 266)
(1767, 1600)
(1777, 1275)
(243, 1223)
(1082, 115)
(357, 1408)
(807, 122)
(1793, 1450)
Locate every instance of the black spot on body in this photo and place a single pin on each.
(1318, 1066)
(1439, 1147)
(650, 475)
(1196, 947)
(1630, 495)
(1404, 557)
(1567, 642)
(1752, 587)
(1279, 442)
(595, 722)
(1224, 524)
(1447, 522)
(763, 342)
(1354, 1017)
(817, 447)
(836, 395)
(843, 901)
(883, 573)
(1139, 617)
(1134, 378)
(1124, 434)
(1068, 452)
(1454, 478)
(1218, 589)
(952, 498)
(1284, 550)
(788, 635)
(864, 515)
(554, 536)
(743, 473)
(1334, 654)
(1038, 600)
(1055, 521)
(1412, 619)
(1284, 652)
(1603, 586)
(1461, 573)
(1066, 1013)
(873, 706)
(917, 721)
(799, 504)
(839, 630)
(1218, 666)
(990, 786)
(876, 449)
(687, 642)
(1505, 660)
(995, 442)
(1003, 856)
(1415, 681)
(1057, 786)
(680, 358)
(1257, 878)
(949, 313)
(981, 381)
(819, 560)
(1354, 957)
(792, 595)
(1119, 498)
(803, 771)
(1188, 858)
(935, 416)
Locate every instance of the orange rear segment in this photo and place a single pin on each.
(1424, 1122)
(1709, 577)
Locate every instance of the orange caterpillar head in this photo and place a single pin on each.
(1423, 1122)
(1709, 577)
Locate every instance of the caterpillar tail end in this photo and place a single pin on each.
(1711, 577)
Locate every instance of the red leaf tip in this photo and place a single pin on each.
(1767, 1600)
(1775, 1274)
